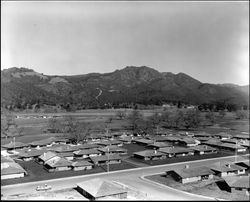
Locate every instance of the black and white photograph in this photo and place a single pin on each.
(125, 100)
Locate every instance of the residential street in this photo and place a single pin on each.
(129, 177)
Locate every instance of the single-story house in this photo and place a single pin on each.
(11, 170)
(232, 147)
(126, 139)
(188, 175)
(112, 150)
(67, 155)
(106, 159)
(202, 139)
(42, 159)
(6, 159)
(98, 189)
(30, 154)
(203, 134)
(158, 138)
(204, 149)
(86, 153)
(242, 136)
(158, 145)
(223, 135)
(88, 146)
(245, 143)
(213, 142)
(237, 184)
(59, 164)
(188, 141)
(149, 155)
(142, 141)
(174, 139)
(95, 137)
(243, 164)
(177, 151)
(110, 142)
(108, 136)
(44, 143)
(223, 169)
(81, 165)
(17, 145)
(64, 149)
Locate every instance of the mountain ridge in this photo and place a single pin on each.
(128, 85)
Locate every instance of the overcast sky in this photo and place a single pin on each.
(206, 40)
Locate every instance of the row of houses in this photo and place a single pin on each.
(172, 151)
(53, 161)
(221, 169)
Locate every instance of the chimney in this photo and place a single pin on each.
(186, 166)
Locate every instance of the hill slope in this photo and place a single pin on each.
(129, 85)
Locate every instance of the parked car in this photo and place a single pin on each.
(43, 188)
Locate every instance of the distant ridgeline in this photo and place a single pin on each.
(23, 88)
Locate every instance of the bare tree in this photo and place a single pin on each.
(76, 131)
(121, 114)
(134, 118)
(9, 126)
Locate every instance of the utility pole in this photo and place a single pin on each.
(108, 160)
(236, 151)
(14, 144)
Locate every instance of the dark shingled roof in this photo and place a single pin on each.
(61, 162)
(12, 146)
(87, 152)
(100, 188)
(105, 157)
(160, 144)
(31, 153)
(225, 166)
(237, 181)
(175, 150)
(11, 168)
(149, 153)
(112, 148)
(203, 148)
(193, 172)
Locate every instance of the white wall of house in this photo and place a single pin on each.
(192, 179)
(11, 176)
(63, 168)
(82, 168)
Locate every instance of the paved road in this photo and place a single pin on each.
(129, 177)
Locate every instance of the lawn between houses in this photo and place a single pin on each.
(207, 188)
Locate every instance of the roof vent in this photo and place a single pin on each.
(186, 166)
(228, 165)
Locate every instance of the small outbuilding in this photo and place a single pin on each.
(98, 189)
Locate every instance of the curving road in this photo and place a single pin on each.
(132, 178)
